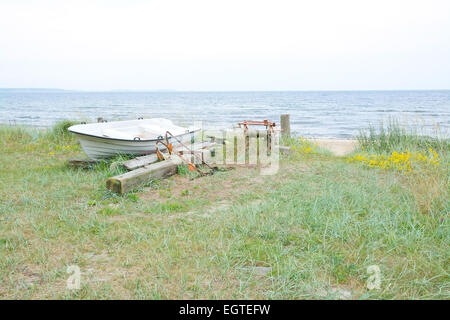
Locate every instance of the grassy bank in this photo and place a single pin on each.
(311, 231)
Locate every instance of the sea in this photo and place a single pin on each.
(331, 114)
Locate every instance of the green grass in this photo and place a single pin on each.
(316, 226)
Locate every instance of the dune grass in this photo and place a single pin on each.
(311, 231)
(393, 136)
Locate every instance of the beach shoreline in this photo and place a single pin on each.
(339, 147)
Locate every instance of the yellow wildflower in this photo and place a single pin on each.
(401, 161)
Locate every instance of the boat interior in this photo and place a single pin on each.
(145, 129)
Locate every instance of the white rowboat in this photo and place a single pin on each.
(138, 137)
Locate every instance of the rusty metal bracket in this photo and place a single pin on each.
(270, 126)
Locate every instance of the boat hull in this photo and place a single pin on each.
(99, 147)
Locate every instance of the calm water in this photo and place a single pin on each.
(324, 114)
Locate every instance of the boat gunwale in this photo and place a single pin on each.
(128, 140)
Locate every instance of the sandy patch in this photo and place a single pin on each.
(339, 147)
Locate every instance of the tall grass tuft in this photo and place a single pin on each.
(16, 133)
(60, 129)
(27, 138)
(394, 137)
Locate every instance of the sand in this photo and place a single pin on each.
(339, 147)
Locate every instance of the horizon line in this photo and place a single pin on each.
(178, 90)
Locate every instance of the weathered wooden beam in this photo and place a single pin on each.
(285, 150)
(142, 161)
(131, 180)
(139, 162)
(201, 156)
(194, 146)
(285, 125)
(82, 163)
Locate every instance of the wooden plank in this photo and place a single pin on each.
(139, 162)
(82, 163)
(142, 161)
(194, 146)
(198, 153)
(285, 150)
(131, 180)
(203, 156)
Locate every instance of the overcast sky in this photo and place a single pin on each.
(225, 45)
